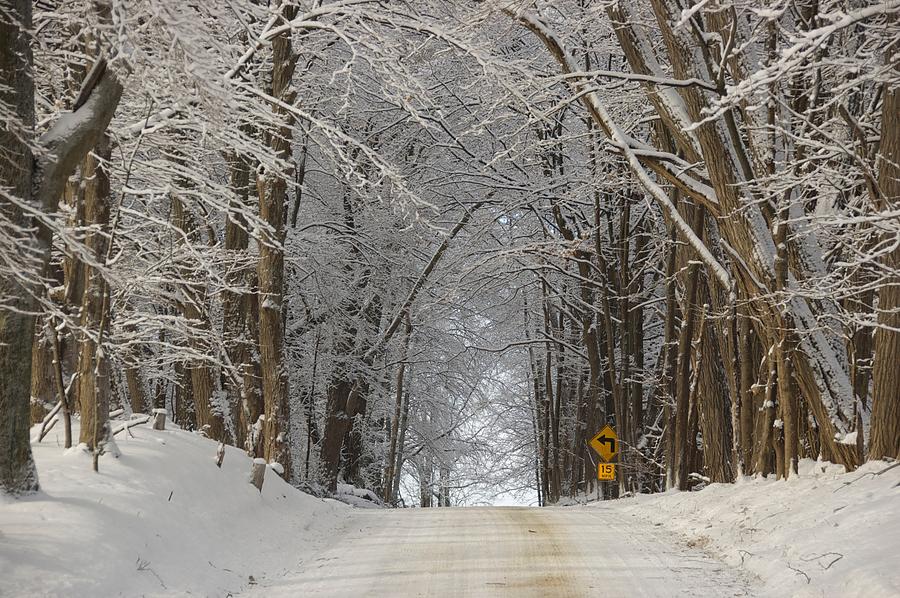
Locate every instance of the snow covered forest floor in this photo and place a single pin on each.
(162, 519)
(825, 533)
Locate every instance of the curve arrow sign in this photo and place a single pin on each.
(606, 443)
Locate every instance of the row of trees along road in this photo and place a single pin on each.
(429, 248)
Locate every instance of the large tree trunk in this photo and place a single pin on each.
(885, 437)
(341, 398)
(713, 406)
(17, 472)
(270, 268)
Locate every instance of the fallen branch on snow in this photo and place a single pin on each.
(131, 423)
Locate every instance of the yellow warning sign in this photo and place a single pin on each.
(606, 443)
(606, 472)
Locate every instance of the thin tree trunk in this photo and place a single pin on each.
(767, 419)
(541, 424)
(395, 421)
(210, 420)
(93, 384)
(666, 391)
(252, 406)
(354, 439)
(135, 386)
(134, 379)
(235, 304)
(787, 403)
(401, 444)
(309, 407)
(683, 376)
(748, 359)
(60, 387)
(182, 403)
(43, 387)
(549, 404)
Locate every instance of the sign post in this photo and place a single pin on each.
(606, 444)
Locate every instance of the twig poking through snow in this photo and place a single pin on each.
(808, 580)
(817, 557)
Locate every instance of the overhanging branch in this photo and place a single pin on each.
(74, 134)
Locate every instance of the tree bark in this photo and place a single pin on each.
(713, 405)
(395, 421)
(135, 383)
(210, 420)
(17, 471)
(683, 442)
(252, 405)
(238, 344)
(92, 388)
(60, 387)
(43, 385)
(401, 443)
(885, 436)
(270, 268)
(747, 369)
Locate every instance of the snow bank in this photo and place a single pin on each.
(826, 533)
(160, 520)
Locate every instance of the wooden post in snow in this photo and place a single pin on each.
(159, 419)
(258, 473)
(220, 455)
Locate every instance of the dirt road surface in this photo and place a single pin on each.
(505, 551)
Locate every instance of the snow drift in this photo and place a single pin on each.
(161, 519)
(824, 533)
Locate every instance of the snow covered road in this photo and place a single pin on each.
(505, 551)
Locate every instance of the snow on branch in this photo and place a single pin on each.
(621, 141)
(74, 134)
